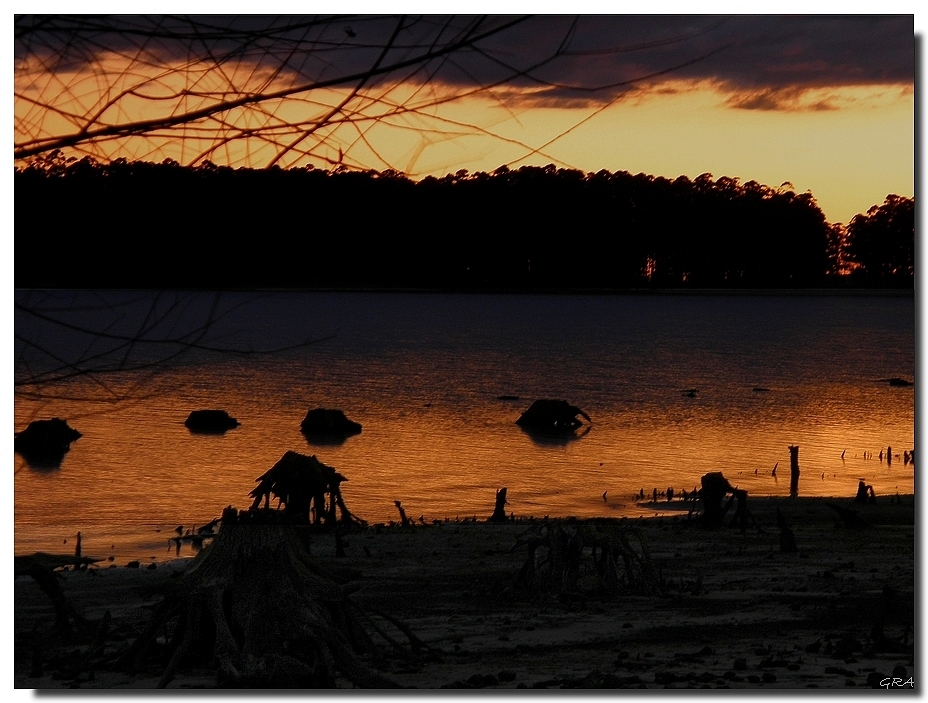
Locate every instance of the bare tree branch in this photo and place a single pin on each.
(263, 91)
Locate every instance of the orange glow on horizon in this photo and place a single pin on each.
(850, 146)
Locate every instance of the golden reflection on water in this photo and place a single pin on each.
(132, 474)
(436, 437)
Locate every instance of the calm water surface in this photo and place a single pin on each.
(422, 374)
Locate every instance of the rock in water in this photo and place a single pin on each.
(210, 421)
(553, 416)
(45, 442)
(323, 422)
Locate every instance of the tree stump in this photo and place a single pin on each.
(714, 489)
(499, 512)
(254, 602)
(861, 496)
(301, 484)
(793, 471)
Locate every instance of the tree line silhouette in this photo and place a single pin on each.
(133, 224)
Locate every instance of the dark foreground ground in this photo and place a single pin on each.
(733, 611)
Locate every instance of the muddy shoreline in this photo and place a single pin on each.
(733, 612)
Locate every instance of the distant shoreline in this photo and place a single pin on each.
(746, 292)
(738, 292)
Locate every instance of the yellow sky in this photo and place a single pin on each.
(850, 156)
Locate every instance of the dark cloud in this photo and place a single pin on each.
(762, 61)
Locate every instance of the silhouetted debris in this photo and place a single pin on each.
(586, 560)
(850, 518)
(210, 421)
(552, 416)
(499, 511)
(256, 604)
(302, 483)
(45, 442)
(898, 382)
(323, 422)
(41, 568)
(507, 397)
(865, 493)
(793, 471)
(404, 520)
(760, 389)
(714, 489)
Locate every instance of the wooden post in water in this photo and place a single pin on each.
(793, 471)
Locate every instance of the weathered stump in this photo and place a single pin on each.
(301, 484)
(254, 603)
(793, 471)
(861, 496)
(499, 511)
(714, 489)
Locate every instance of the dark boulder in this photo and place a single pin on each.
(45, 442)
(900, 382)
(210, 421)
(322, 422)
(552, 416)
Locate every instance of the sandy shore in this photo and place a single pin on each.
(735, 611)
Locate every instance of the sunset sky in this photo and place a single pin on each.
(825, 102)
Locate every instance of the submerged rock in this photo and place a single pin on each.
(45, 442)
(552, 416)
(322, 422)
(210, 421)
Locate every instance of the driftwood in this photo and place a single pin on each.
(255, 604)
(589, 559)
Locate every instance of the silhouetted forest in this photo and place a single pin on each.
(143, 225)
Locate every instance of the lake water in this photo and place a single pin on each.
(422, 373)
